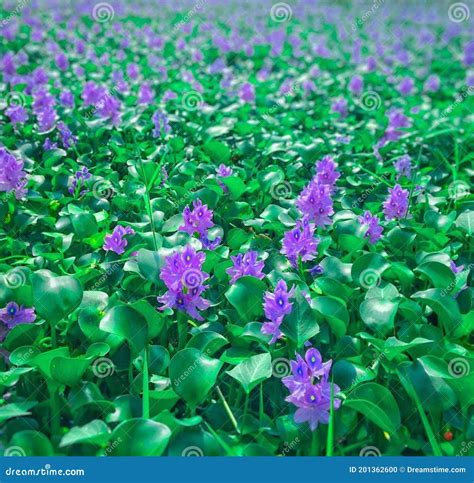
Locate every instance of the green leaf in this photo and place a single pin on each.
(252, 371)
(32, 443)
(375, 402)
(128, 323)
(139, 437)
(193, 374)
(439, 274)
(444, 306)
(367, 269)
(379, 314)
(246, 295)
(301, 324)
(54, 297)
(96, 432)
(14, 410)
(334, 311)
(68, 370)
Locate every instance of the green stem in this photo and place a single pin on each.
(246, 407)
(227, 409)
(330, 438)
(314, 443)
(146, 389)
(261, 406)
(182, 331)
(55, 416)
(54, 341)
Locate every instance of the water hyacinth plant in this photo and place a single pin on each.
(234, 227)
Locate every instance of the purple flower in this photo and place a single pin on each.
(133, 71)
(247, 92)
(310, 390)
(432, 84)
(455, 269)
(183, 276)
(326, 171)
(374, 231)
(13, 315)
(67, 138)
(276, 305)
(161, 123)
(67, 99)
(340, 106)
(48, 145)
(224, 171)
(403, 166)
(315, 201)
(300, 242)
(115, 242)
(79, 181)
(246, 264)
(61, 62)
(145, 94)
(396, 205)
(406, 86)
(356, 85)
(197, 220)
(17, 114)
(12, 176)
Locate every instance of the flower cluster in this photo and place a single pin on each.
(310, 390)
(161, 124)
(12, 176)
(78, 182)
(403, 166)
(300, 243)
(43, 107)
(276, 305)
(183, 276)
(245, 265)
(315, 200)
(396, 205)
(116, 242)
(67, 138)
(374, 231)
(199, 220)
